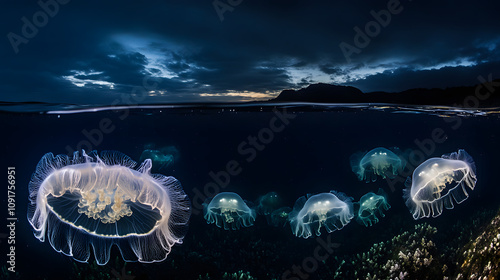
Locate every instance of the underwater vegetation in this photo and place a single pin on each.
(371, 207)
(93, 271)
(228, 210)
(480, 258)
(379, 161)
(97, 201)
(416, 254)
(240, 275)
(161, 158)
(331, 210)
(409, 255)
(7, 275)
(438, 182)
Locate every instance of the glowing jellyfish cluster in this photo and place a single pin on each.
(439, 182)
(228, 210)
(379, 161)
(331, 210)
(371, 207)
(92, 202)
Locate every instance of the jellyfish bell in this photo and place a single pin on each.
(379, 161)
(97, 201)
(331, 210)
(371, 207)
(229, 211)
(439, 182)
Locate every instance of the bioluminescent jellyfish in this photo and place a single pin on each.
(437, 182)
(379, 161)
(158, 158)
(267, 203)
(228, 210)
(92, 202)
(171, 150)
(279, 217)
(161, 158)
(331, 210)
(371, 207)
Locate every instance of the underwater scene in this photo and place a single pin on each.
(268, 191)
(243, 140)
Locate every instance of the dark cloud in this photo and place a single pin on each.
(94, 53)
(407, 78)
(331, 69)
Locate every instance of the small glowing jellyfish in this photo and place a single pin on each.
(371, 208)
(267, 203)
(440, 181)
(331, 210)
(100, 200)
(228, 210)
(161, 158)
(379, 161)
(279, 217)
(158, 158)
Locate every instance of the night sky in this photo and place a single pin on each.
(109, 52)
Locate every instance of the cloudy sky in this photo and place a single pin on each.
(108, 52)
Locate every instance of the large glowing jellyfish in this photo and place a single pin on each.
(228, 210)
(438, 182)
(331, 210)
(267, 203)
(379, 161)
(371, 207)
(95, 201)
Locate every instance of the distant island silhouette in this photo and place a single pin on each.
(480, 95)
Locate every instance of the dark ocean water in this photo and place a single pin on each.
(299, 150)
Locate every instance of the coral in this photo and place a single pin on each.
(94, 271)
(414, 254)
(480, 258)
(240, 275)
(410, 255)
